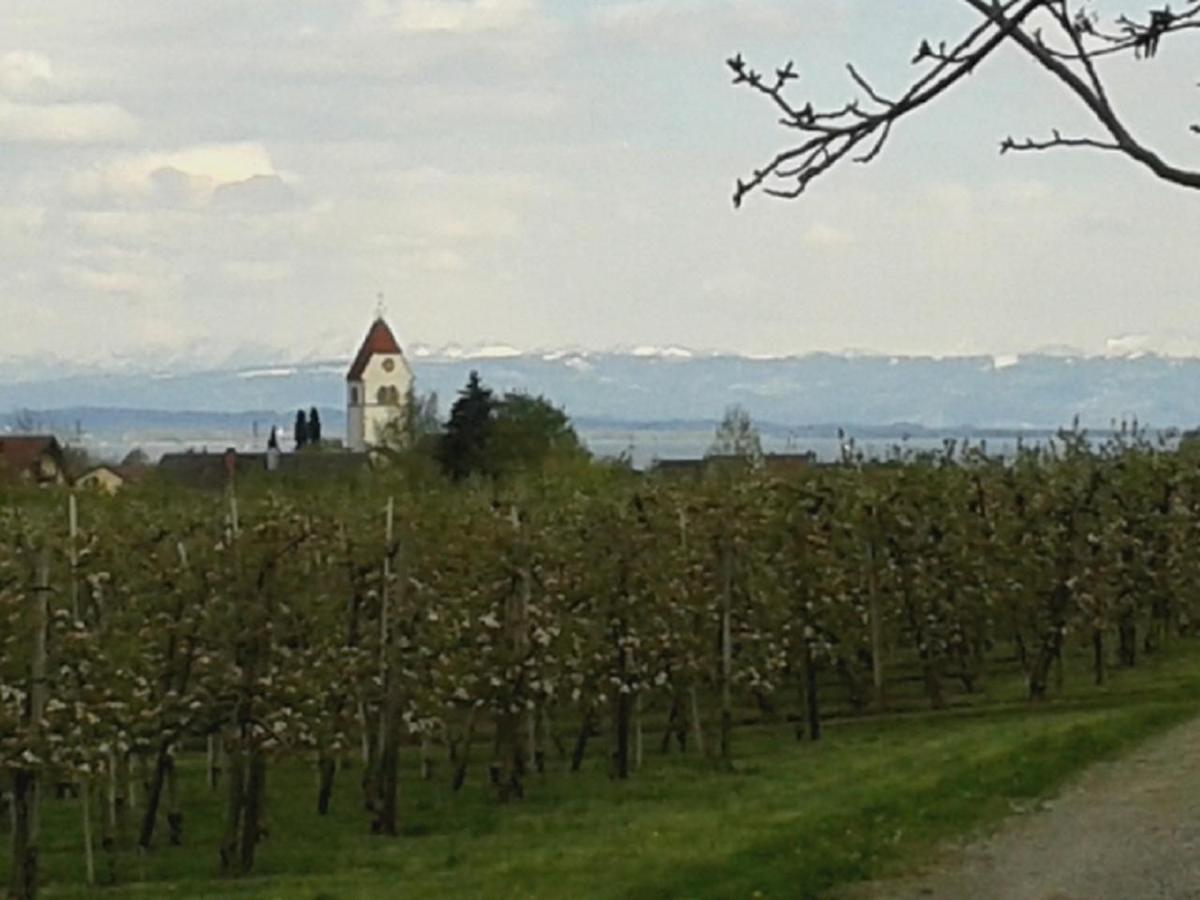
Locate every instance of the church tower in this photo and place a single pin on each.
(376, 387)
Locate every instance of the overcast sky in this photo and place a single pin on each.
(226, 180)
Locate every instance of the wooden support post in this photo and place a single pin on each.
(697, 727)
(73, 550)
(876, 615)
(234, 522)
(726, 653)
(638, 743)
(85, 810)
(384, 620)
(40, 685)
(26, 788)
(211, 761)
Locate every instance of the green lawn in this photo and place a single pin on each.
(791, 821)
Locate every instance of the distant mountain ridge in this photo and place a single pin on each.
(672, 384)
(646, 385)
(647, 403)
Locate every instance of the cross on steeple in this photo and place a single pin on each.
(380, 308)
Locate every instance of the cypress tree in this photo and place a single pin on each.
(314, 427)
(300, 431)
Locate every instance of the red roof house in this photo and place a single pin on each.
(32, 457)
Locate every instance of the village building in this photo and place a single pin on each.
(203, 469)
(109, 479)
(34, 458)
(377, 388)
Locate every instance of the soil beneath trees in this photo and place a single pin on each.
(1126, 830)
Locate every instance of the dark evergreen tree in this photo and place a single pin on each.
(300, 431)
(273, 440)
(528, 432)
(463, 447)
(314, 427)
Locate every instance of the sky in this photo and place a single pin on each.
(226, 182)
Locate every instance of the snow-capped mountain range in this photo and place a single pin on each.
(658, 384)
(641, 389)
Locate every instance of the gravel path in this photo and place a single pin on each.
(1126, 830)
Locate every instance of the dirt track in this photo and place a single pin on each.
(1126, 830)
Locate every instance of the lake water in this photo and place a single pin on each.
(643, 446)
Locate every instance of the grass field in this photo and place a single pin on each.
(793, 820)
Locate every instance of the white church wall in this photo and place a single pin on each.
(368, 418)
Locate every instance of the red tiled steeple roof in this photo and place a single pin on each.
(379, 339)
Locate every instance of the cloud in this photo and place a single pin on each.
(454, 16)
(256, 271)
(29, 114)
(952, 199)
(107, 282)
(123, 227)
(21, 221)
(174, 187)
(821, 234)
(690, 24)
(223, 163)
(190, 175)
(23, 73)
(65, 123)
(258, 193)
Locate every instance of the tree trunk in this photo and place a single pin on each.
(638, 742)
(585, 731)
(622, 710)
(108, 839)
(23, 869)
(460, 771)
(876, 613)
(26, 793)
(1127, 640)
(811, 699)
(697, 725)
(212, 760)
(676, 725)
(233, 810)
(326, 768)
(85, 812)
(174, 813)
(254, 799)
(1098, 655)
(158, 781)
(426, 759)
(1022, 650)
(1039, 675)
(508, 763)
(549, 733)
(389, 773)
(726, 657)
(933, 680)
(370, 757)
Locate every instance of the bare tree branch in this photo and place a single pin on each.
(860, 129)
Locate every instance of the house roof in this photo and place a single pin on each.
(125, 473)
(379, 339)
(21, 452)
(677, 466)
(211, 469)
